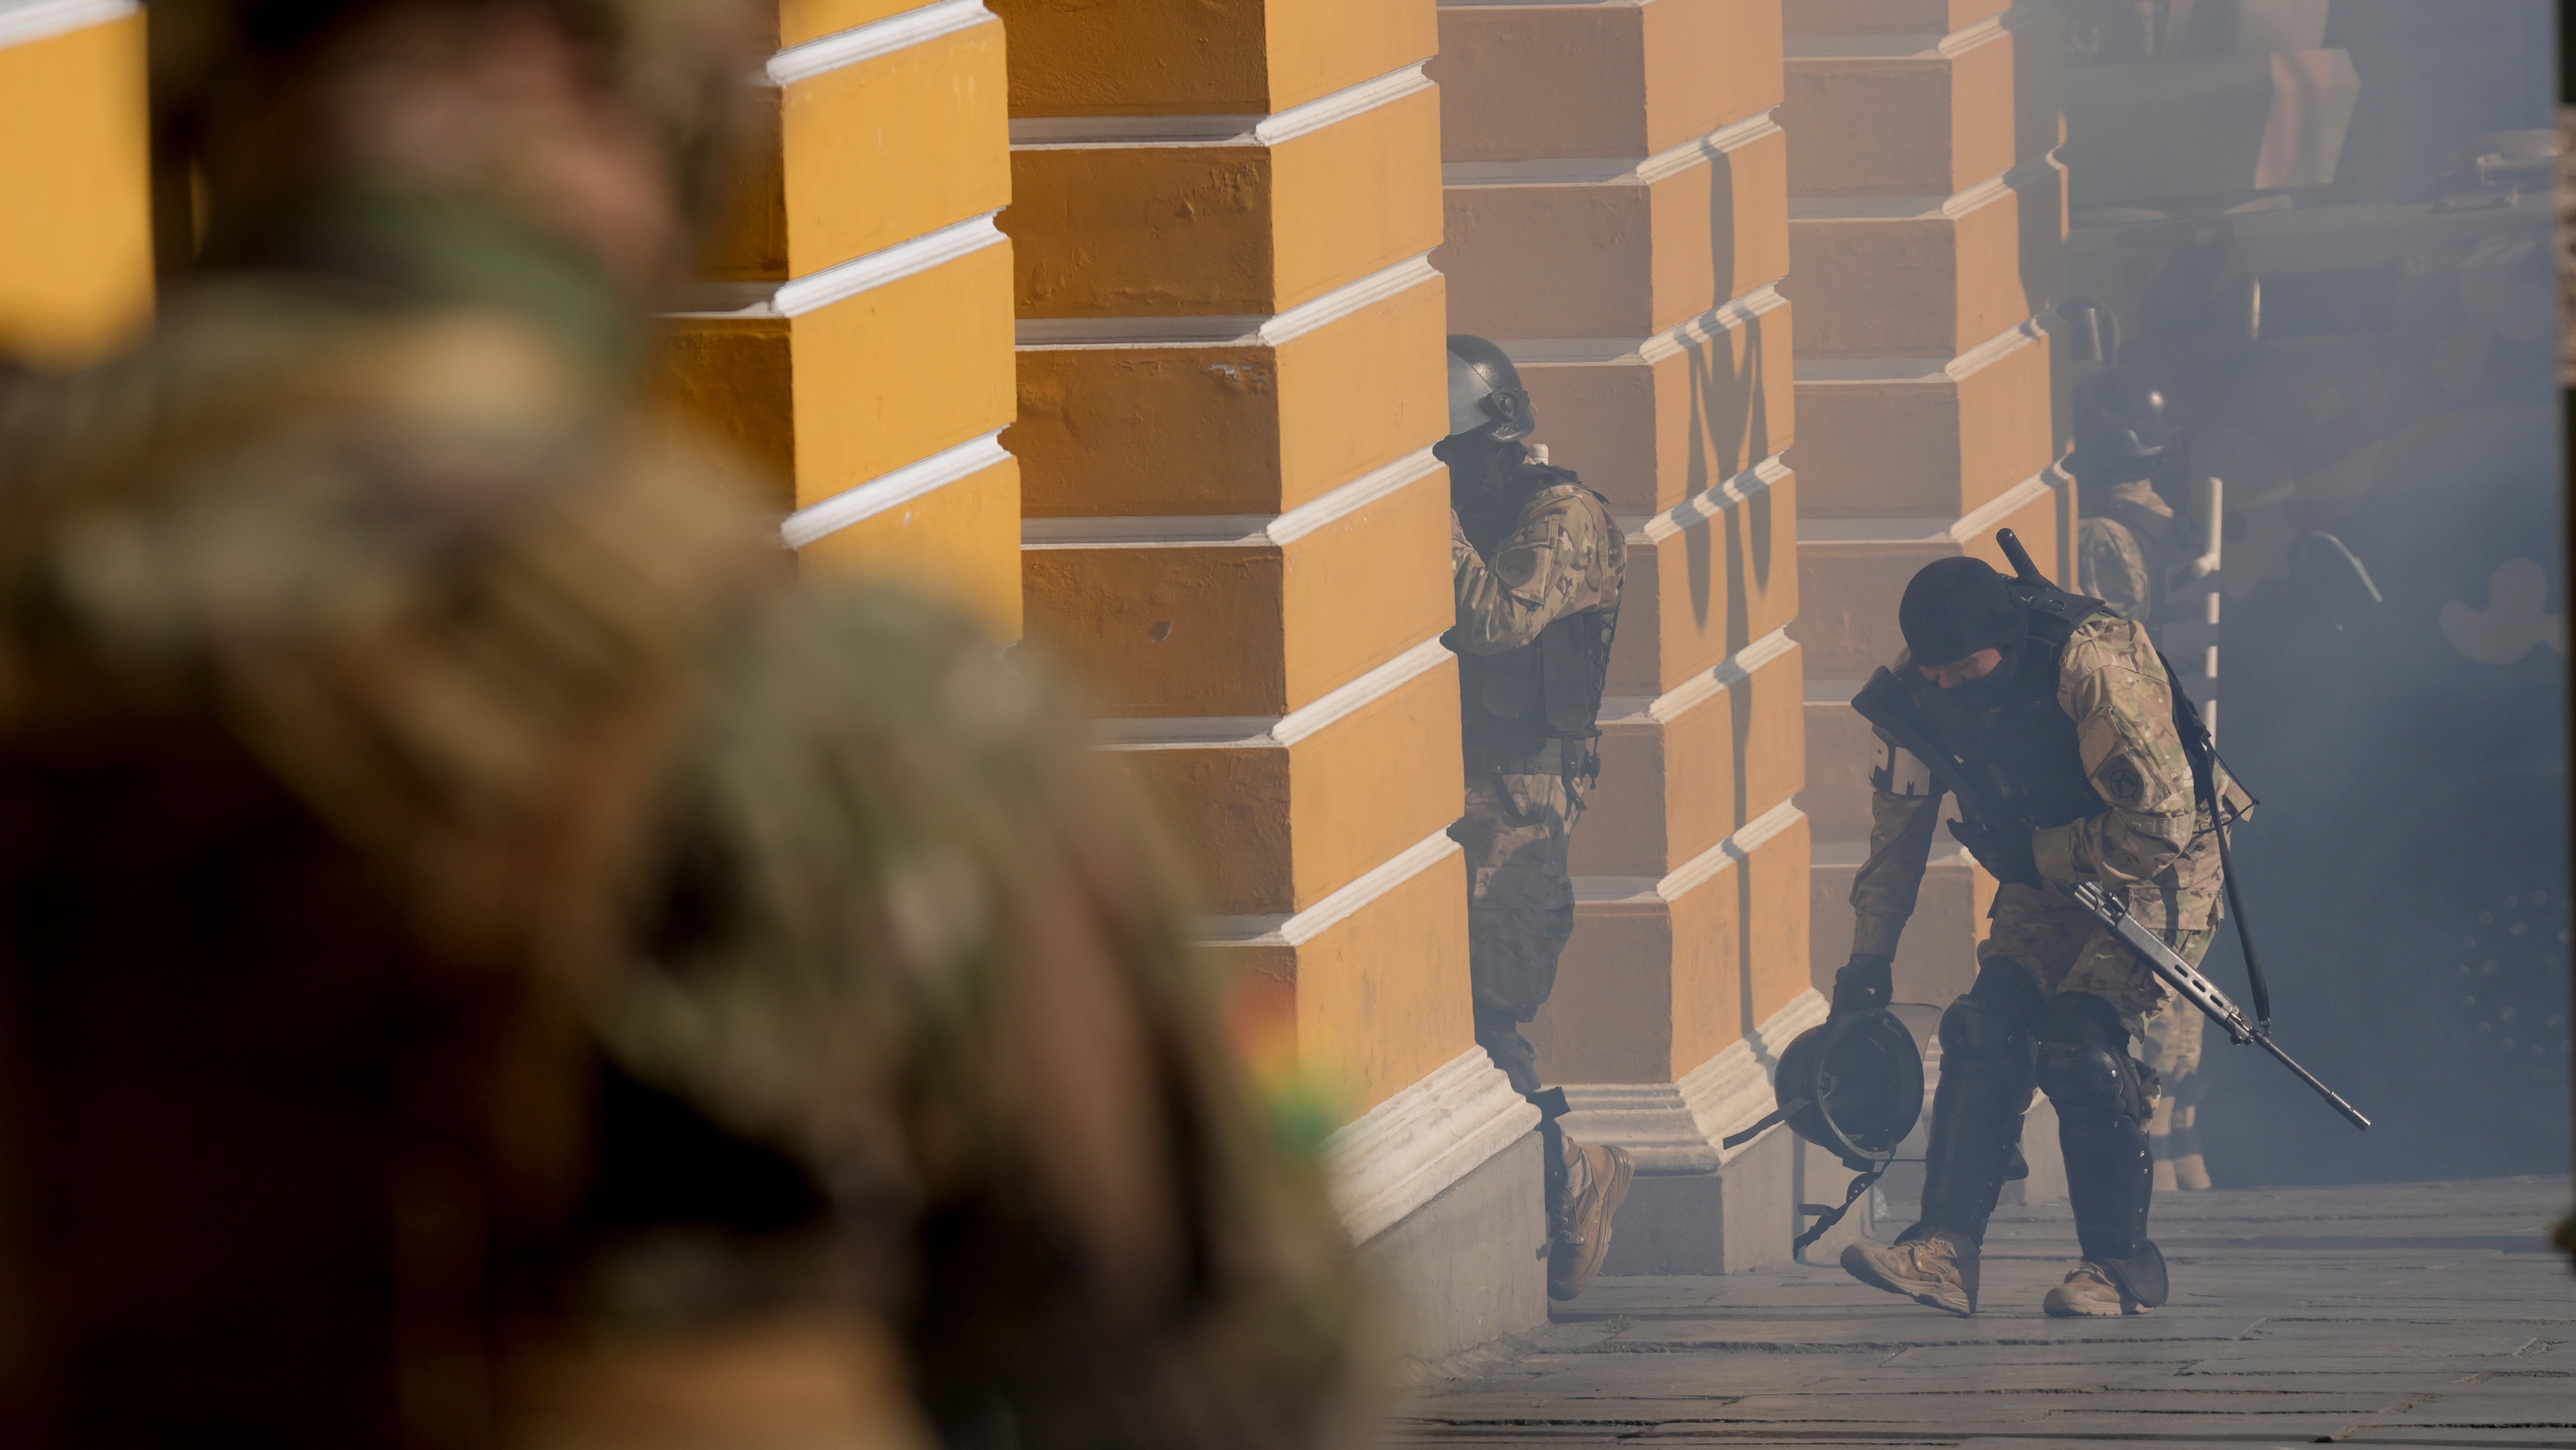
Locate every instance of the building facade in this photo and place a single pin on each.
(1121, 326)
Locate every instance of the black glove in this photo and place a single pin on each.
(2005, 851)
(1866, 981)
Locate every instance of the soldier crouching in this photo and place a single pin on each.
(1537, 562)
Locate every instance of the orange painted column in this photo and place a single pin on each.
(853, 327)
(1619, 223)
(1927, 225)
(76, 214)
(1230, 378)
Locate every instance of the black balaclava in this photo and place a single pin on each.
(1956, 607)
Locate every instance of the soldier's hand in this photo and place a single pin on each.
(1867, 981)
(2005, 851)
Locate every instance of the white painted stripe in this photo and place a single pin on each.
(1044, 133)
(1832, 370)
(832, 52)
(1935, 529)
(1737, 668)
(1229, 329)
(1709, 326)
(893, 490)
(1333, 910)
(817, 290)
(24, 21)
(1919, 45)
(1241, 530)
(1272, 732)
(1707, 506)
(1691, 874)
(1920, 208)
(1413, 1147)
(1612, 170)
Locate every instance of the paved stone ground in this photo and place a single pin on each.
(2408, 1315)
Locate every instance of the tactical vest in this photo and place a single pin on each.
(2019, 738)
(1549, 689)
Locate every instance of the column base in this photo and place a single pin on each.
(1469, 1267)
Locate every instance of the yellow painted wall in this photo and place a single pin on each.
(76, 233)
(1192, 57)
(960, 543)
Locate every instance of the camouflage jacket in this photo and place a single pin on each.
(2126, 552)
(2153, 844)
(399, 729)
(1536, 553)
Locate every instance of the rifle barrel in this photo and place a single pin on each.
(2351, 1113)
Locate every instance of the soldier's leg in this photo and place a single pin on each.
(2102, 1098)
(1985, 1088)
(2170, 1047)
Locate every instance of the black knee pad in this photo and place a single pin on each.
(2084, 1062)
(1992, 1022)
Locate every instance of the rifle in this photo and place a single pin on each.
(1885, 705)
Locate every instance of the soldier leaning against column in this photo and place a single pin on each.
(2066, 705)
(1537, 561)
(488, 959)
(2129, 544)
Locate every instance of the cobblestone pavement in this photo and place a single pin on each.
(2431, 1314)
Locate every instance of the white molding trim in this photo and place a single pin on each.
(1921, 208)
(1227, 329)
(1689, 876)
(1612, 170)
(1709, 504)
(842, 281)
(1413, 1147)
(829, 516)
(1272, 732)
(1277, 531)
(1828, 371)
(1699, 689)
(1916, 45)
(1679, 1127)
(1935, 529)
(23, 22)
(1068, 133)
(1305, 926)
(1709, 326)
(825, 54)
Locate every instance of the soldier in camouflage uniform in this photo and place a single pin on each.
(2065, 706)
(1537, 562)
(2130, 544)
(485, 958)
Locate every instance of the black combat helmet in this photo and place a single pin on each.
(1853, 1087)
(2124, 425)
(1485, 392)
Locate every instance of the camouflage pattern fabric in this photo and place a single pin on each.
(2171, 1045)
(2061, 948)
(2126, 547)
(399, 729)
(1560, 554)
(2154, 846)
(1520, 905)
(1563, 555)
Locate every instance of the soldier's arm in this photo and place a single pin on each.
(1549, 567)
(2115, 690)
(1903, 807)
(2112, 567)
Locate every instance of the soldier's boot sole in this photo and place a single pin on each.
(1898, 1272)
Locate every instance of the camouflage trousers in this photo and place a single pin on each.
(2063, 949)
(1520, 902)
(2171, 1045)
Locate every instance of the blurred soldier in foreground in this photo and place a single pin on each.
(484, 960)
(1537, 562)
(2129, 461)
(2065, 705)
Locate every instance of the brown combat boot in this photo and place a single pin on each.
(1574, 1255)
(1929, 1265)
(2191, 1171)
(2089, 1292)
